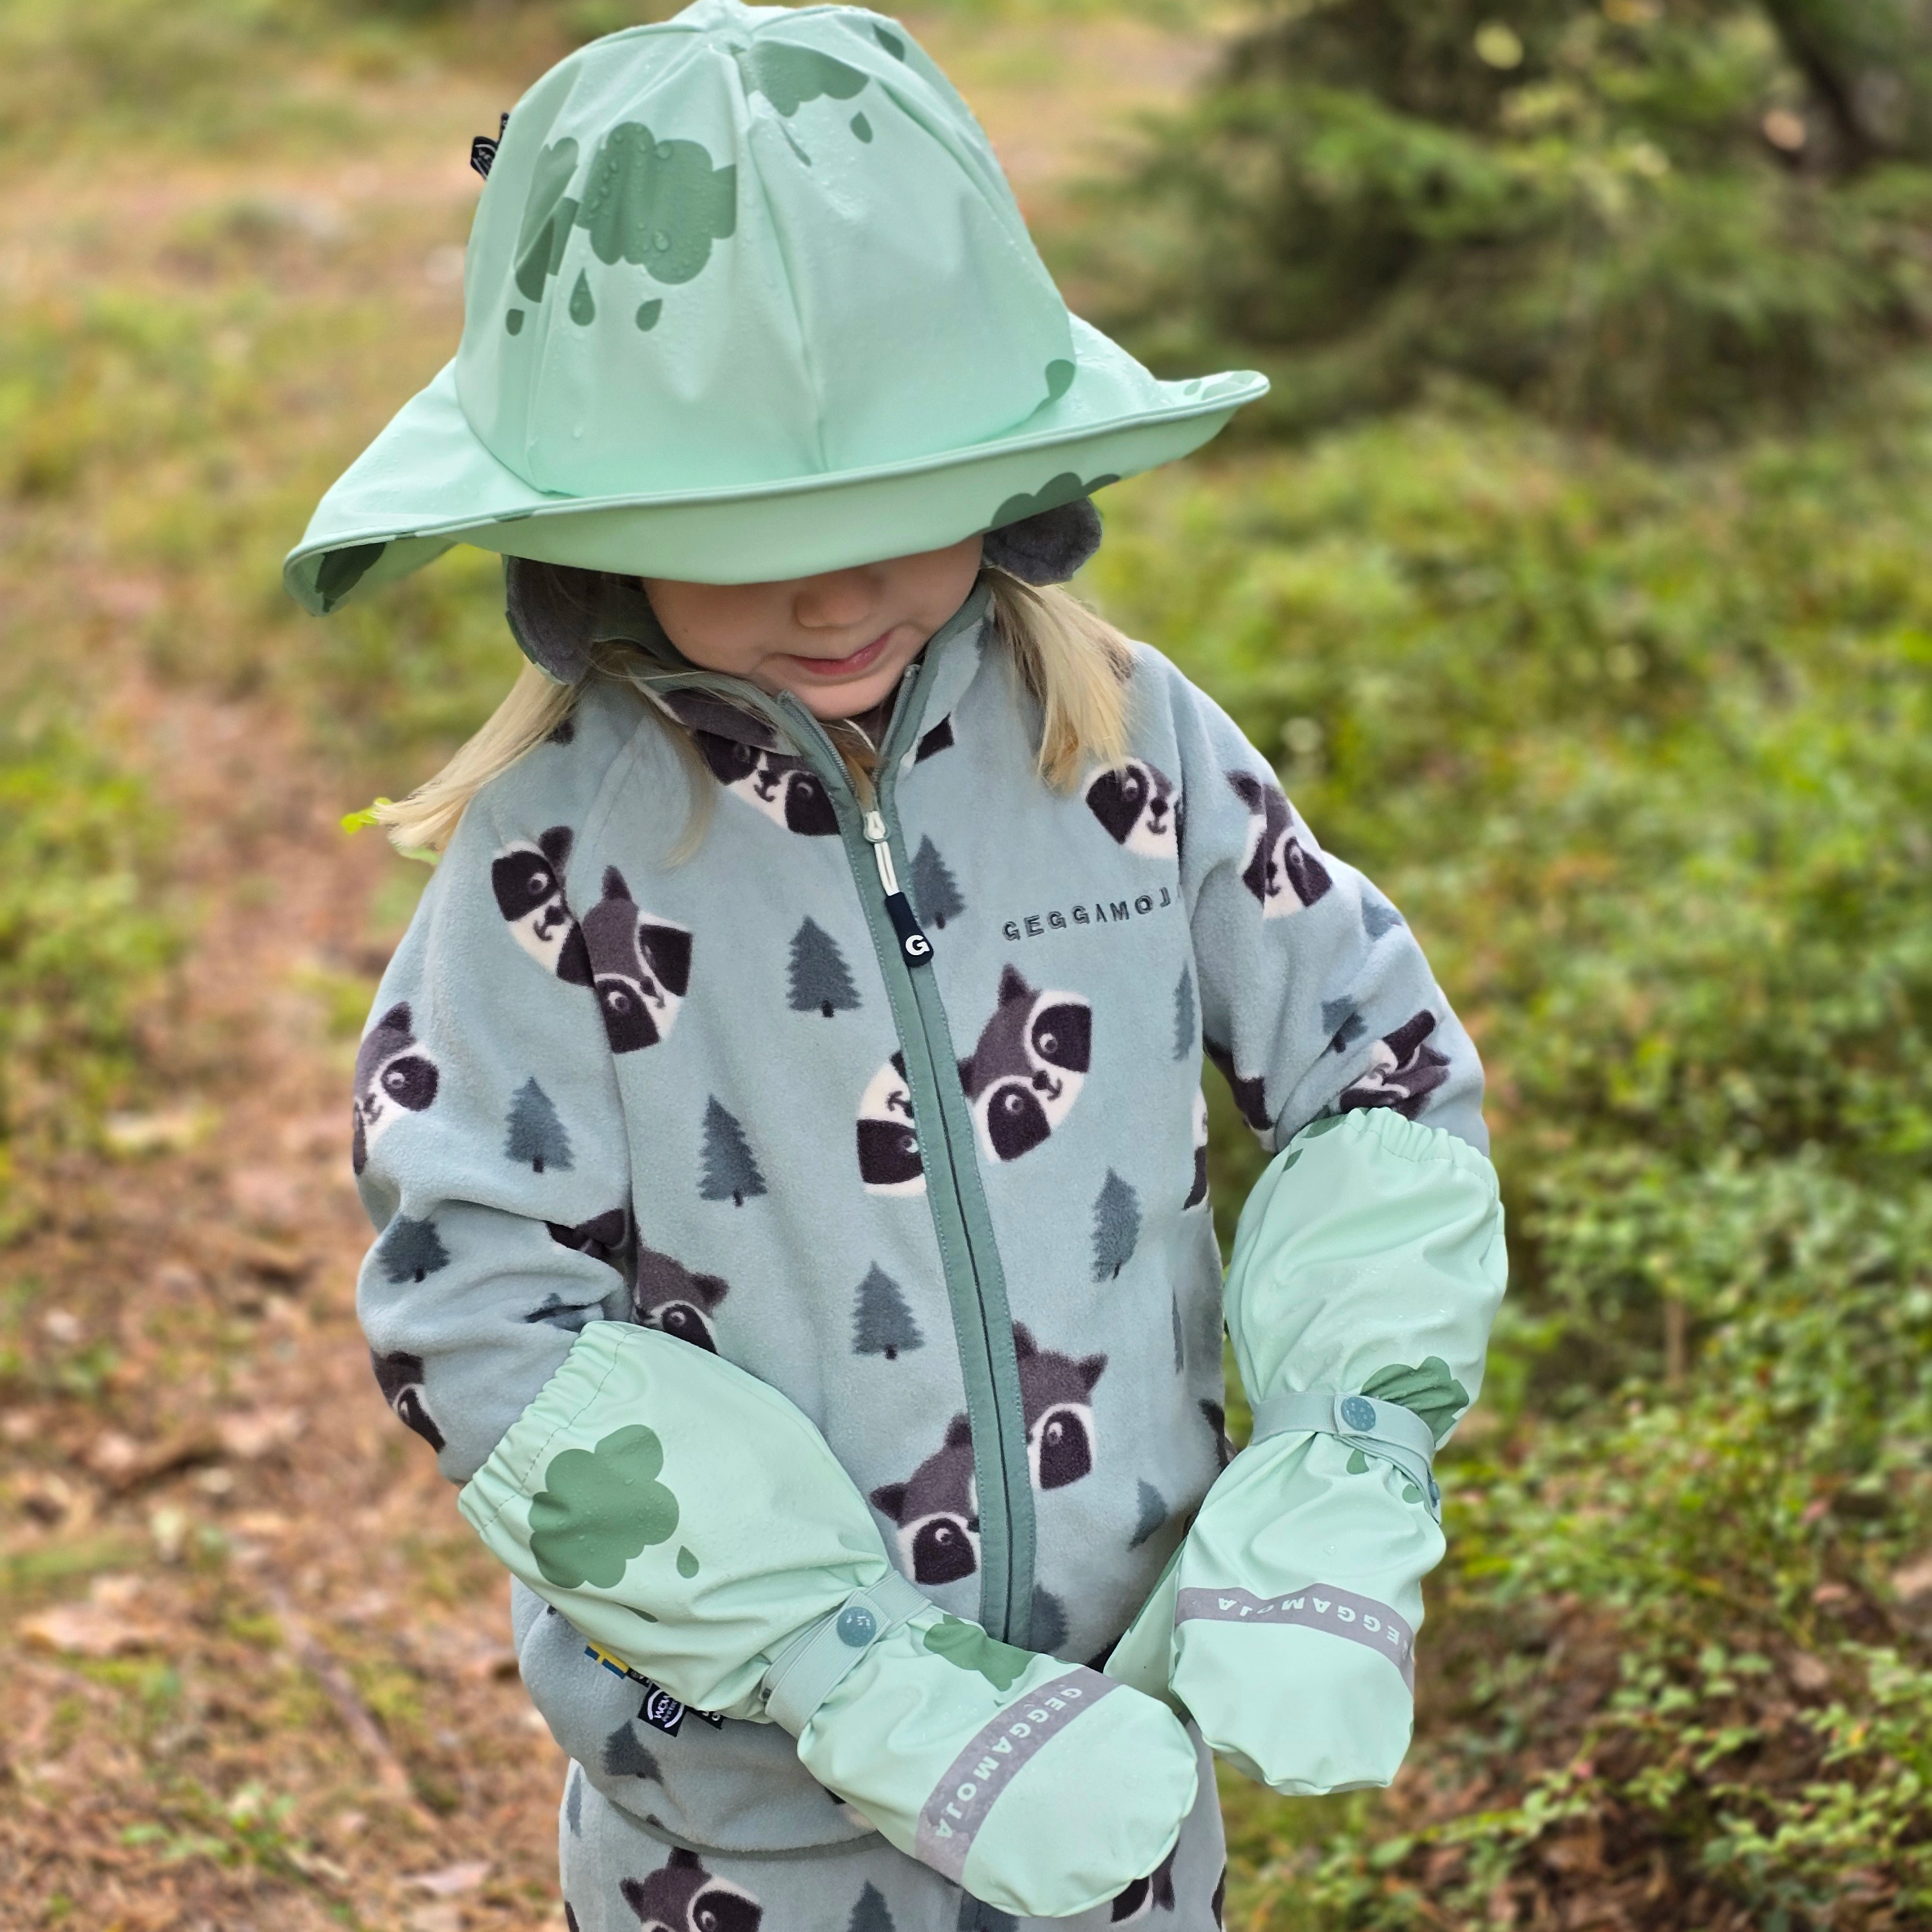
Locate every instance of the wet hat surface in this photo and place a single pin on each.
(747, 297)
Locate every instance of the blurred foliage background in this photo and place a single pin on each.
(1575, 575)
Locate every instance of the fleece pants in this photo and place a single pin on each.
(617, 1877)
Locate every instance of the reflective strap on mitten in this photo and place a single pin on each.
(809, 1669)
(1385, 1429)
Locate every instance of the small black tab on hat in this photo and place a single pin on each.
(483, 148)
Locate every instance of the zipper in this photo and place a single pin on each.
(975, 1280)
(914, 947)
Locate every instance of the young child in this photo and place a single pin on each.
(782, 1118)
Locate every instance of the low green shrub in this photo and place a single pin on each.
(1639, 750)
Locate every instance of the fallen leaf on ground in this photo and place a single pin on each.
(254, 1432)
(1913, 1580)
(105, 1625)
(451, 1878)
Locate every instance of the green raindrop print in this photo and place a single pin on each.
(513, 321)
(583, 306)
(547, 215)
(892, 44)
(862, 127)
(648, 313)
(687, 1563)
(1060, 374)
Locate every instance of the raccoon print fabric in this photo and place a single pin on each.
(640, 967)
(527, 878)
(1025, 1075)
(399, 1377)
(1283, 874)
(1056, 1397)
(1139, 807)
(935, 1512)
(889, 1155)
(1405, 1070)
(667, 1295)
(783, 788)
(684, 1897)
(393, 1077)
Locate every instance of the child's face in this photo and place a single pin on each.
(838, 641)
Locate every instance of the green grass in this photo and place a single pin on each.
(1639, 749)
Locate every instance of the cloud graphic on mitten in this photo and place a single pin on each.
(967, 1647)
(599, 1507)
(1428, 1388)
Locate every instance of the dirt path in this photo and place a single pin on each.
(259, 1671)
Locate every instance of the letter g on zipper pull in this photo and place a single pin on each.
(914, 947)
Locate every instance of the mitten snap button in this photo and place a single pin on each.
(856, 1626)
(1358, 1412)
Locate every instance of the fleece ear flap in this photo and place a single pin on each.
(1048, 546)
(552, 609)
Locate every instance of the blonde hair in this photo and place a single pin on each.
(1074, 662)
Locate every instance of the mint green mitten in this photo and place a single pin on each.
(1367, 1269)
(691, 1522)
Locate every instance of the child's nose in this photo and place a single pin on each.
(831, 601)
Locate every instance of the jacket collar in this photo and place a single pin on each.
(736, 709)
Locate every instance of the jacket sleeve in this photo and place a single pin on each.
(1314, 996)
(489, 1144)
(1367, 1272)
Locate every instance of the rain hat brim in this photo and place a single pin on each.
(427, 483)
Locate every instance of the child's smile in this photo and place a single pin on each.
(838, 641)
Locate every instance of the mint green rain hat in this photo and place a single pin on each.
(747, 298)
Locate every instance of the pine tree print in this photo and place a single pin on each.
(1153, 1514)
(1117, 1227)
(935, 893)
(730, 1174)
(411, 1249)
(1187, 1022)
(819, 980)
(536, 1137)
(871, 1913)
(882, 1324)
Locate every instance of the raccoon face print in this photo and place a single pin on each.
(1249, 1090)
(1403, 1072)
(668, 1296)
(1025, 1075)
(1283, 874)
(683, 1897)
(1136, 803)
(604, 1237)
(1055, 1398)
(888, 1156)
(400, 1378)
(528, 881)
(1145, 1895)
(1197, 1192)
(782, 787)
(937, 1512)
(639, 966)
(391, 1079)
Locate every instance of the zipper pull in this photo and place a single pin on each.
(914, 946)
